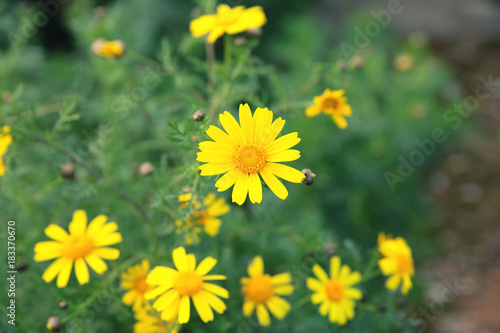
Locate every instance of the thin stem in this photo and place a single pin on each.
(291, 106)
(209, 50)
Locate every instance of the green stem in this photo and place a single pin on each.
(301, 302)
(291, 106)
(227, 51)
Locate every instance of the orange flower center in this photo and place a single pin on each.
(250, 159)
(201, 216)
(76, 247)
(112, 49)
(259, 289)
(334, 290)
(404, 263)
(188, 283)
(331, 103)
(141, 286)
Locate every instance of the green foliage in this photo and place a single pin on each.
(106, 116)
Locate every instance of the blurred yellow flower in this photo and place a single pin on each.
(134, 280)
(227, 20)
(82, 246)
(261, 292)
(5, 142)
(177, 287)
(247, 151)
(397, 262)
(204, 215)
(108, 49)
(403, 62)
(150, 322)
(332, 103)
(336, 294)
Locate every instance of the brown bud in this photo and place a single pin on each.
(68, 171)
(342, 65)
(309, 177)
(195, 138)
(254, 32)
(100, 11)
(54, 324)
(198, 115)
(329, 249)
(358, 63)
(63, 305)
(6, 96)
(145, 169)
(22, 266)
(240, 41)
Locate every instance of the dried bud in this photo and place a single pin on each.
(254, 32)
(54, 324)
(381, 307)
(329, 249)
(22, 266)
(145, 169)
(196, 12)
(198, 115)
(6, 96)
(100, 11)
(342, 65)
(63, 305)
(240, 41)
(108, 49)
(403, 62)
(358, 63)
(195, 138)
(309, 177)
(68, 171)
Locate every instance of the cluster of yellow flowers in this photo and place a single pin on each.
(5, 142)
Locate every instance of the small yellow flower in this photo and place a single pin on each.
(177, 287)
(82, 246)
(150, 322)
(261, 292)
(108, 49)
(227, 20)
(134, 280)
(336, 294)
(248, 150)
(204, 215)
(332, 103)
(5, 142)
(403, 62)
(397, 261)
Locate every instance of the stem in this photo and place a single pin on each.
(94, 173)
(209, 50)
(286, 107)
(227, 51)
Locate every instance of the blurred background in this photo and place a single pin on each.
(414, 68)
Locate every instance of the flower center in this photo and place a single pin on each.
(404, 264)
(76, 247)
(331, 103)
(188, 283)
(250, 159)
(259, 289)
(201, 216)
(141, 286)
(334, 290)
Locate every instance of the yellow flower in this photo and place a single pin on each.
(332, 103)
(134, 280)
(336, 293)
(247, 151)
(397, 262)
(150, 322)
(227, 20)
(108, 49)
(261, 292)
(203, 215)
(5, 142)
(177, 287)
(403, 62)
(83, 246)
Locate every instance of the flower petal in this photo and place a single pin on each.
(63, 277)
(278, 307)
(227, 180)
(56, 232)
(284, 156)
(204, 310)
(283, 143)
(240, 189)
(232, 128)
(180, 260)
(248, 308)
(96, 224)
(246, 122)
(107, 253)
(206, 266)
(256, 267)
(274, 184)
(202, 25)
(252, 17)
(254, 188)
(184, 310)
(215, 289)
(79, 223)
(212, 169)
(263, 315)
(285, 172)
(81, 271)
(53, 269)
(96, 263)
(320, 273)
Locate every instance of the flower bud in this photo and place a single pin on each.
(68, 171)
(254, 32)
(358, 63)
(108, 49)
(198, 115)
(240, 41)
(145, 169)
(54, 324)
(309, 177)
(63, 305)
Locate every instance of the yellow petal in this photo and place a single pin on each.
(81, 271)
(248, 308)
(215, 156)
(246, 122)
(111, 239)
(222, 138)
(215, 34)
(63, 277)
(79, 223)
(282, 278)
(157, 291)
(240, 189)
(274, 184)
(215, 289)
(218, 207)
(180, 260)
(285, 172)
(232, 128)
(273, 131)
(212, 169)
(107, 253)
(184, 310)
(166, 300)
(191, 262)
(171, 311)
(227, 180)
(334, 267)
(202, 25)
(353, 278)
(353, 293)
(50, 247)
(320, 273)
(262, 121)
(201, 305)
(214, 277)
(388, 266)
(256, 267)
(313, 110)
(284, 156)
(278, 307)
(314, 284)
(213, 301)
(212, 226)
(252, 17)
(96, 263)
(96, 224)
(393, 282)
(283, 143)
(206, 266)
(53, 269)
(56, 232)
(284, 290)
(254, 188)
(340, 121)
(263, 315)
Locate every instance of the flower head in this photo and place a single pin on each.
(150, 322)
(177, 287)
(261, 292)
(227, 20)
(397, 262)
(134, 280)
(248, 150)
(404, 62)
(84, 245)
(205, 215)
(108, 49)
(332, 103)
(335, 293)
(5, 142)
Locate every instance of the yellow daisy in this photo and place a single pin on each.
(82, 246)
(227, 20)
(261, 292)
(5, 142)
(177, 287)
(397, 261)
(336, 294)
(248, 150)
(332, 103)
(150, 322)
(204, 215)
(108, 49)
(134, 280)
